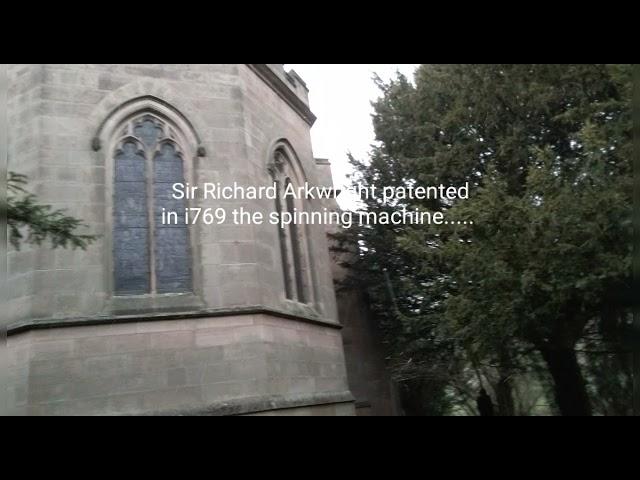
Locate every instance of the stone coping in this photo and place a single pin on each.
(245, 406)
(40, 324)
(288, 95)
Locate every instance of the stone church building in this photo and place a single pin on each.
(156, 319)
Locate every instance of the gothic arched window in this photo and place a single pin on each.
(149, 257)
(293, 238)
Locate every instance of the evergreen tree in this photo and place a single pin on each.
(547, 150)
(32, 222)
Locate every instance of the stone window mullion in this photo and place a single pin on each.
(296, 252)
(284, 242)
(151, 215)
(150, 258)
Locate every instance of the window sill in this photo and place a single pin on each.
(299, 308)
(44, 323)
(167, 302)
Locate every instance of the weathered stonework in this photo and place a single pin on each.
(188, 366)
(101, 353)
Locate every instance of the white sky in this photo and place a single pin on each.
(340, 96)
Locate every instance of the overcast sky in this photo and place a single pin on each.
(340, 96)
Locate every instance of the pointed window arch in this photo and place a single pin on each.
(149, 257)
(294, 247)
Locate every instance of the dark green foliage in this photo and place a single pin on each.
(40, 221)
(547, 150)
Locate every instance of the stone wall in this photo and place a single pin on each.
(224, 365)
(57, 118)
(369, 379)
(55, 112)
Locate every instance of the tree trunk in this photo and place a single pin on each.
(569, 386)
(504, 396)
(636, 383)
